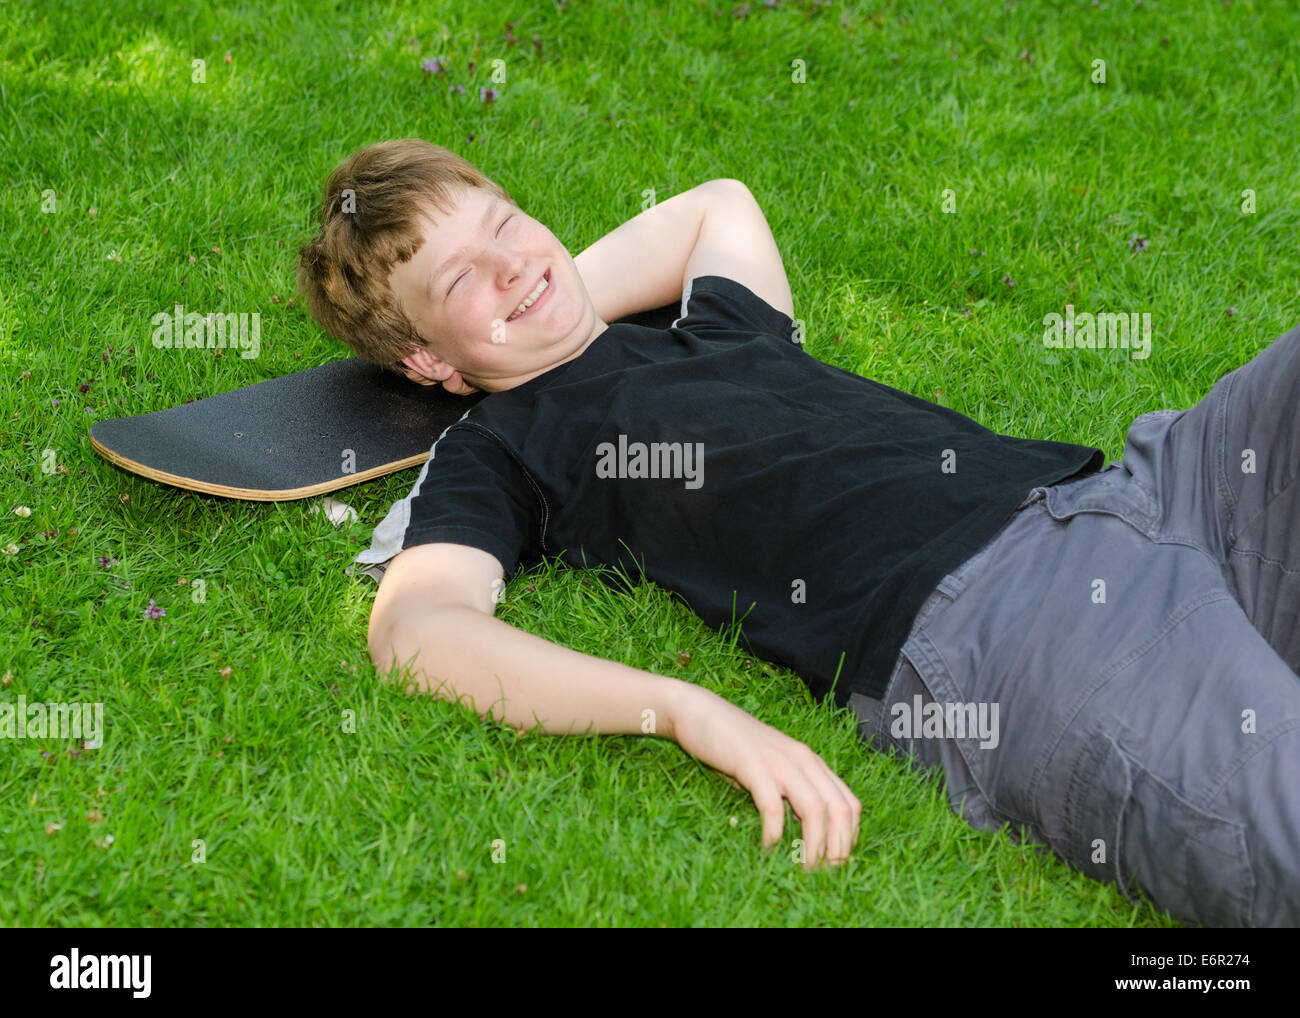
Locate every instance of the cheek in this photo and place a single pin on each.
(498, 331)
(547, 236)
(478, 319)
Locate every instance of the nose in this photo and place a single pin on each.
(510, 265)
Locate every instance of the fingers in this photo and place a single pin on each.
(833, 819)
(823, 815)
(829, 813)
(458, 385)
(771, 807)
(849, 813)
(452, 383)
(415, 376)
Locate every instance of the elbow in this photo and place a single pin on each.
(379, 641)
(403, 645)
(386, 639)
(730, 186)
(396, 656)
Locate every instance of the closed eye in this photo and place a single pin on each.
(466, 272)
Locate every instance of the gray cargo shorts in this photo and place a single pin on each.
(1131, 639)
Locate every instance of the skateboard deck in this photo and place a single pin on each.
(297, 436)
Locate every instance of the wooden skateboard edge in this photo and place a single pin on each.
(253, 494)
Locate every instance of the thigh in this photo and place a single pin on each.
(1135, 702)
(1222, 476)
(1178, 776)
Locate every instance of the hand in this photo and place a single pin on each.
(772, 767)
(453, 382)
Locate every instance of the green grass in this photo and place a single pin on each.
(202, 192)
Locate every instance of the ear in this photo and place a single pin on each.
(424, 368)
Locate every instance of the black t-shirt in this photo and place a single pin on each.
(717, 458)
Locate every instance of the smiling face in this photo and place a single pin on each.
(460, 290)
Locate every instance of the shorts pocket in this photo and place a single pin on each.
(1124, 825)
(1113, 492)
(1155, 415)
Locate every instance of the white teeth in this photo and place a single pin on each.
(530, 300)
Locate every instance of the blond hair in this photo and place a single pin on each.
(370, 220)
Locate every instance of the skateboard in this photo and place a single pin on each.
(297, 436)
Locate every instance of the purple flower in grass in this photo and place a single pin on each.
(153, 611)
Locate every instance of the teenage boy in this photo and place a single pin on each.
(1102, 656)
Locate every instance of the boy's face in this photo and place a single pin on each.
(474, 269)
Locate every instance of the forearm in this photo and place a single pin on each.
(641, 265)
(468, 656)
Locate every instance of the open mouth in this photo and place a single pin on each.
(540, 299)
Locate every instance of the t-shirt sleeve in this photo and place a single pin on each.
(471, 491)
(715, 307)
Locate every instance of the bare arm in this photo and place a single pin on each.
(716, 228)
(434, 610)
(463, 653)
(508, 675)
(640, 265)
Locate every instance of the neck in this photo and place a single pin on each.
(503, 384)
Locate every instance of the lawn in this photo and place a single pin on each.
(939, 178)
